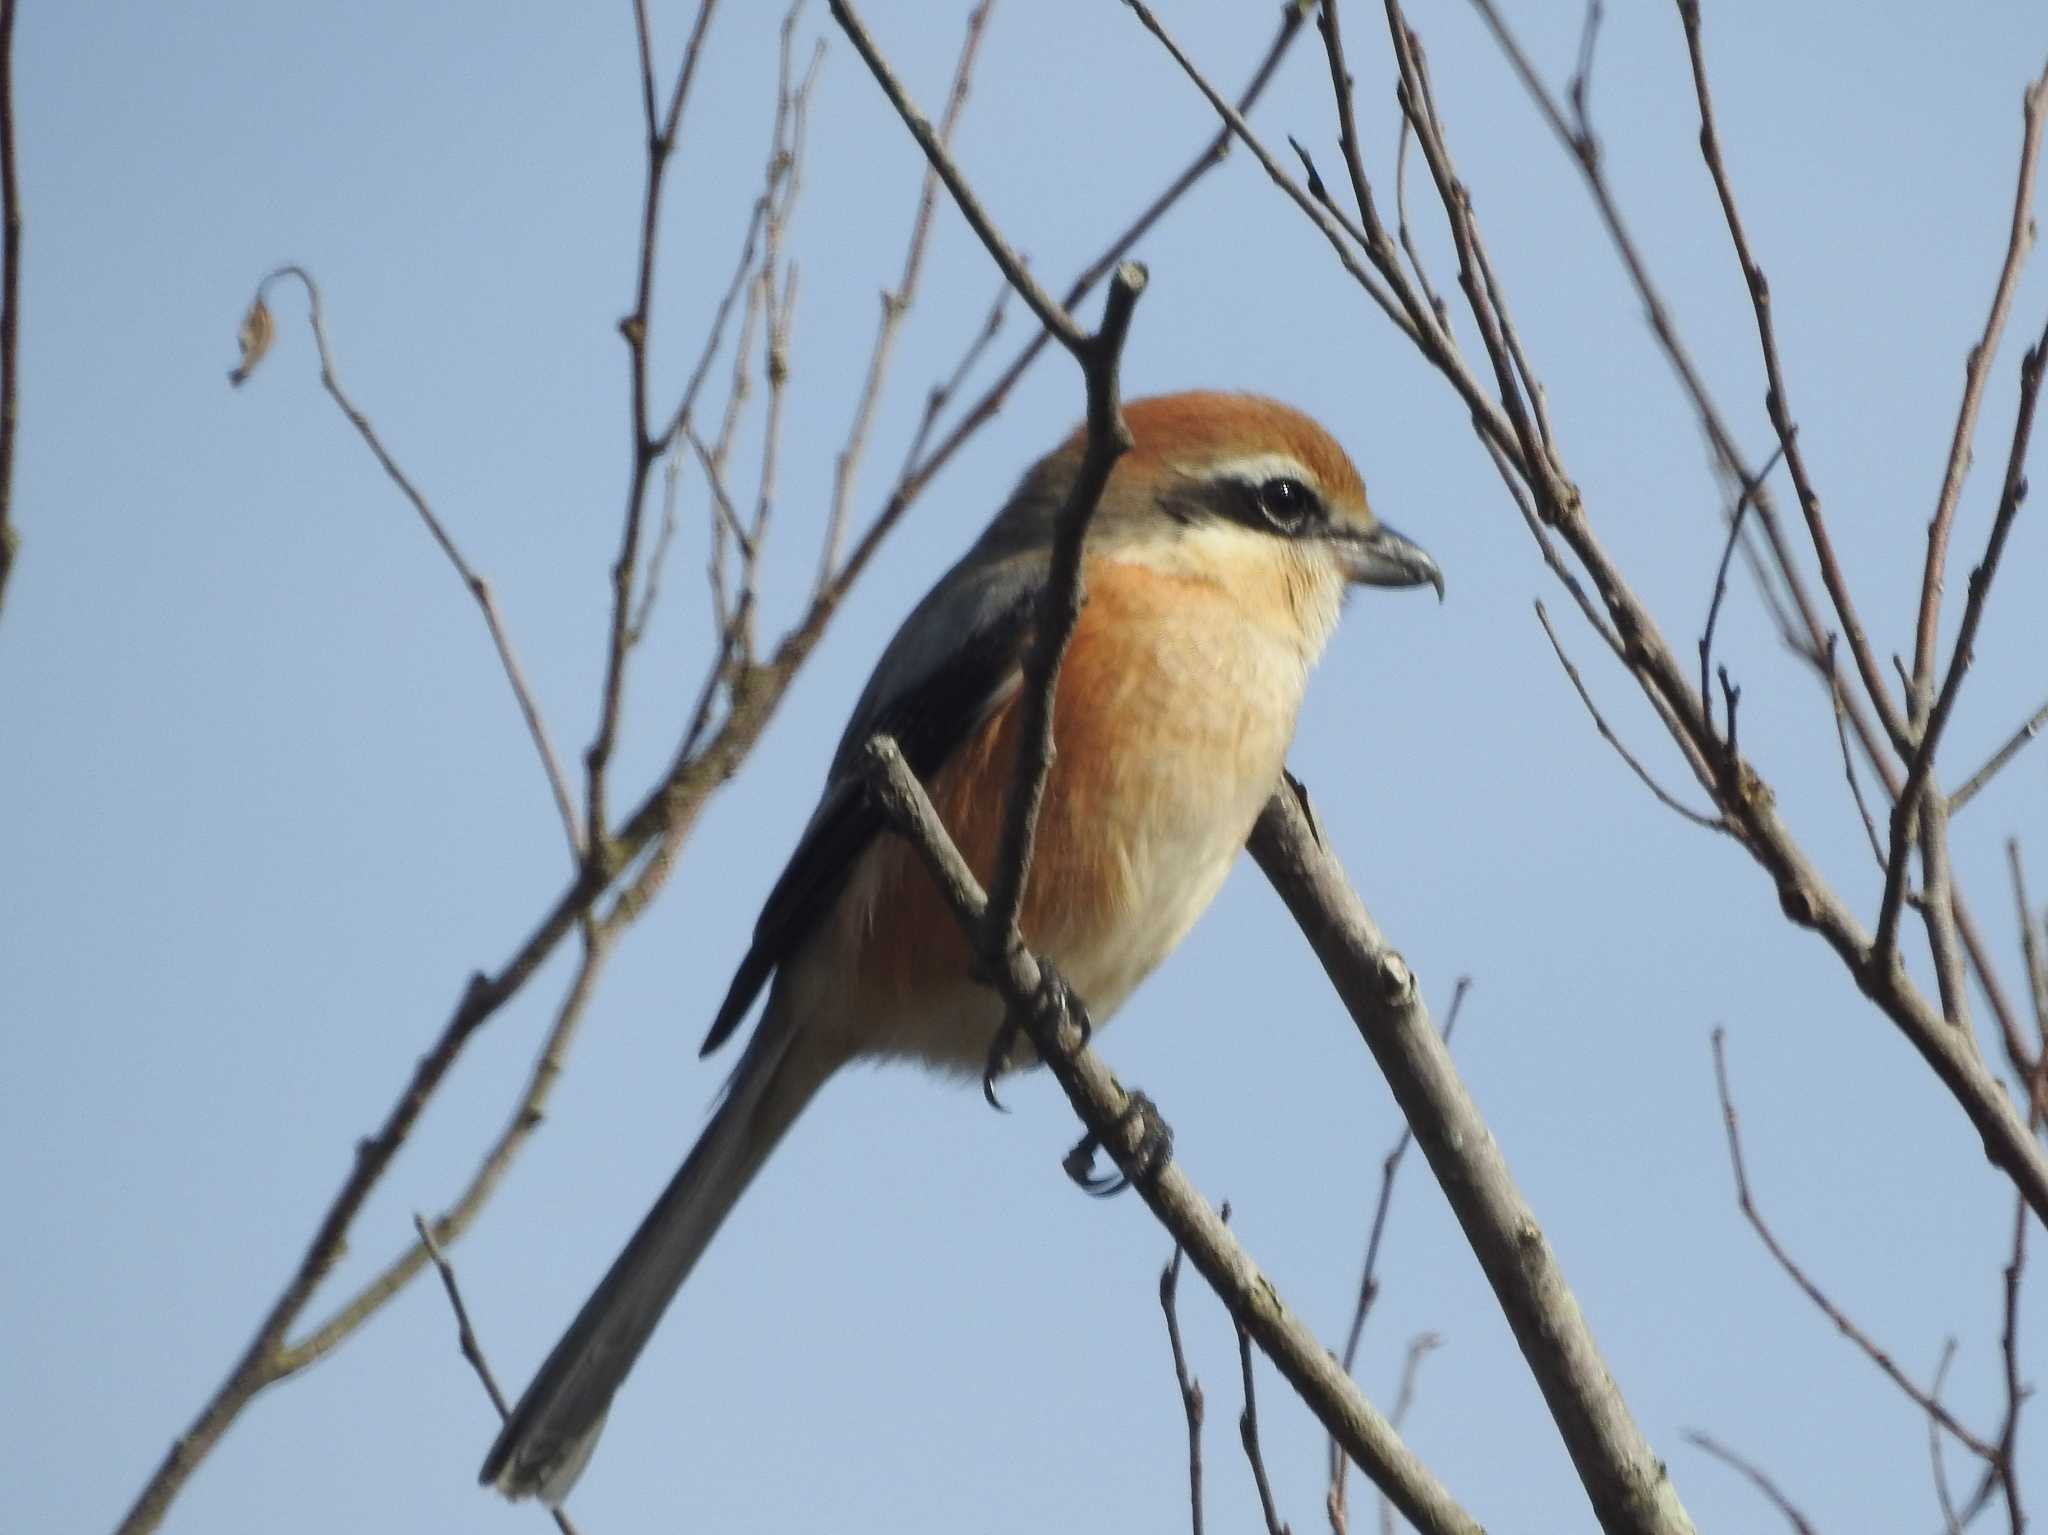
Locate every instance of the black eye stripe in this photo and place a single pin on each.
(1282, 504)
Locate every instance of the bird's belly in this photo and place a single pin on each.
(1164, 761)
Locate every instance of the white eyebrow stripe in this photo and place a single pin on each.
(1257, 468)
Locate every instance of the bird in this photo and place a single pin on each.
(1216, 564)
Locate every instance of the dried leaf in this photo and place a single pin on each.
(257, 332)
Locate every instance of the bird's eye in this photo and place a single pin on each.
(1285, 503)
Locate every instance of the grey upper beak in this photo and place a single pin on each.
(1386, 558)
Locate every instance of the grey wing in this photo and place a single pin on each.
(956, 658)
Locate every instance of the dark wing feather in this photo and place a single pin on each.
(928, 718)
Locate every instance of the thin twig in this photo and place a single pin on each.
(896, 304)
(1420, 1347)
(1664, 797)
(10, 299)
(1998, 759)
(1385, 290)
(2019, 241)
(1763, 1484)
(1806, 638)
(1741, 508)
(1368, 1279)
(1937, 1446)
(1372, 238)
(922, 468)
(477, 586)
(657, 562)
(1776, 403)
(1437, 306)
(1248, 1434)
(465, 1337)
(1050, 313)
(1813, 1292)
(1908, 807)
(2015, 1392)
(1802, 894)
(2034, 952)
(1848, 761)
(1190, 1388)
(940, 395)
(646, 448)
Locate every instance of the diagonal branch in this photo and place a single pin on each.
(1996, 762)
(10, 298)
(256, 337)
(2033, 109)
(1664, 796)
(1813, 1292)
(1046, 1014)
(646, 448)
(1623, 1477)
(896, 303)
(1908, 808)
(1776, 404)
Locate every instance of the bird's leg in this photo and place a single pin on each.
(1055, 997)
(1153, 1151)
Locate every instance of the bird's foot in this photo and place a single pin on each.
(1055, 996)
(1153, 1151)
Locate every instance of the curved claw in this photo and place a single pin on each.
(1079, 1164)
(1063, 996)
(1154, 1150)
(997, 1063)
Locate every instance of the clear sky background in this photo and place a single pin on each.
(269, 803)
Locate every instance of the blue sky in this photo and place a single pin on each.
(272, 803)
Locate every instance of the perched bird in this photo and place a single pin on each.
(1219, 556)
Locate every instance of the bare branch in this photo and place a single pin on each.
(1398, 306)
(1368, 1279)
(10, 299)
(1047, 1015)
(2033, 108)
(1190, 1388)
(1420, 1347)
(1848, 1329)
(1664, 797)
(1918, 774)
(1763, 1484)
(646, 448)
(1050, 314)
(895, 304)
(920, 468)
(1848, 761)
(1735, 516)
(1937, 1447)
(466, 1340)
(1059, 604)
(477, 586)
(2034, 950)
(1623, 1477)
(1806, 636)
(1248, 1430)
(1776, 402)
(2015, 1392)
(1998, 759)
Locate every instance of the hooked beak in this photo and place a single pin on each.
(1386, 558)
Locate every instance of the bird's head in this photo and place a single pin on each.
(1239, 489)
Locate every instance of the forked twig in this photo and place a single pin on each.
(256, 337)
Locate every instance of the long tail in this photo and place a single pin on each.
(550, 1434)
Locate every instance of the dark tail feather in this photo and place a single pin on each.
(550, 1434)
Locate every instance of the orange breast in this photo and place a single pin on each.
(1171, 720)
